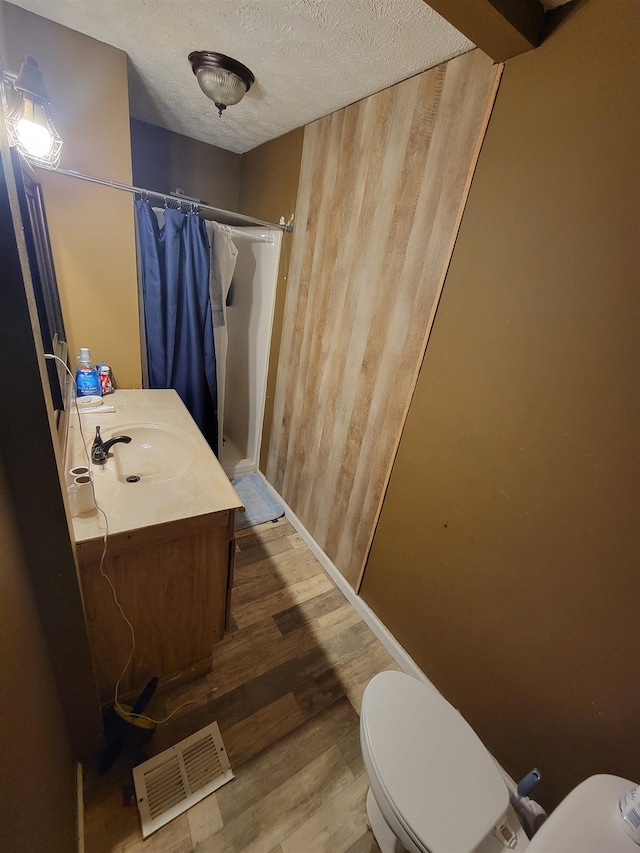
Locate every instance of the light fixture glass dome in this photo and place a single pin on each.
(222, 79)
(221, 86)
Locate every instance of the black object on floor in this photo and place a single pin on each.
(123, 725)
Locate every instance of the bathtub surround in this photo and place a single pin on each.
(382, 188)
(249, 321)
(269, 189)
(223, 256)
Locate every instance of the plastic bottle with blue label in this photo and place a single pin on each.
(87, 382)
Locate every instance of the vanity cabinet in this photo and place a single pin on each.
(173, 581)
(170, 544)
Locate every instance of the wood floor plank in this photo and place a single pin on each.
(289, 566)
(314, 672)
(358, 669)
(349, 746)
(319, 690)
(365, 844)
(256, 580)
(302, 614)
(335, 826)
(250, 553)
(274, 817)
(285, 678)
(296, 540)
(262, 729)
(272, 767)
(242, 640)
(265, 531)
(175, 837)
(251, 613)
(344, 616)
(227, 710)
(249, 589)
(257, 537)
(204, 819)
(252, 661)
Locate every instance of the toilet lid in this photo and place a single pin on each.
(438, 777)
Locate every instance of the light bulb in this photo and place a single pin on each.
(34, 138)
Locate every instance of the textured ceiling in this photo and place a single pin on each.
(309, 57)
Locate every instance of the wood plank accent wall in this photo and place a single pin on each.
(382, 189)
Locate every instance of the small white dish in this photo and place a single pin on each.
(93, 400)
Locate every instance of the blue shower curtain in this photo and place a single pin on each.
(174, 263)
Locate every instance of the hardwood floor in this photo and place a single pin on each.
(285, 689)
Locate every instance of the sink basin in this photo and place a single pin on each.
(156, 452)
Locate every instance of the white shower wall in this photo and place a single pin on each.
(249, 325)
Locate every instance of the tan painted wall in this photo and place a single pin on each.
(382, 187)
(506, 558)
(165, 161)
(91, 227)
(269, 190)
(37, 785)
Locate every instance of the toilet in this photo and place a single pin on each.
(435, 788)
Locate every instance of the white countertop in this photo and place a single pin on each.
(200, 489)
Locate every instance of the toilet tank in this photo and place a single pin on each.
(587, 820)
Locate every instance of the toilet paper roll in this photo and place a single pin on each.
(78, 471)
(81, 495)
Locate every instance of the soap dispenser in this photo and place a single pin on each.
(87, 382)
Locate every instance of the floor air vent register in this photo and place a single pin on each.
(178, 778)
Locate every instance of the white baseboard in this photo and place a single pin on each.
(397, 652)
(80, 807)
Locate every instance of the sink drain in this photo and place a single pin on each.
(133, 479)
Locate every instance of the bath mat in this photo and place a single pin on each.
(259, 503)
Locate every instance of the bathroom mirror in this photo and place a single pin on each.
(43, 276)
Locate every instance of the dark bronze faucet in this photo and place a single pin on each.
(100, 448)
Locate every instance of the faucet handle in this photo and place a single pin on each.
(97, 451)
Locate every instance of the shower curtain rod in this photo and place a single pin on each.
(116, 185)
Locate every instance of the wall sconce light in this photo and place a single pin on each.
(221, 78)
(28, 120)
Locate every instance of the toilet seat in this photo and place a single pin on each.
(429, 771)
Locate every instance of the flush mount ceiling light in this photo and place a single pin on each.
(221, 78)
(28, 120)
